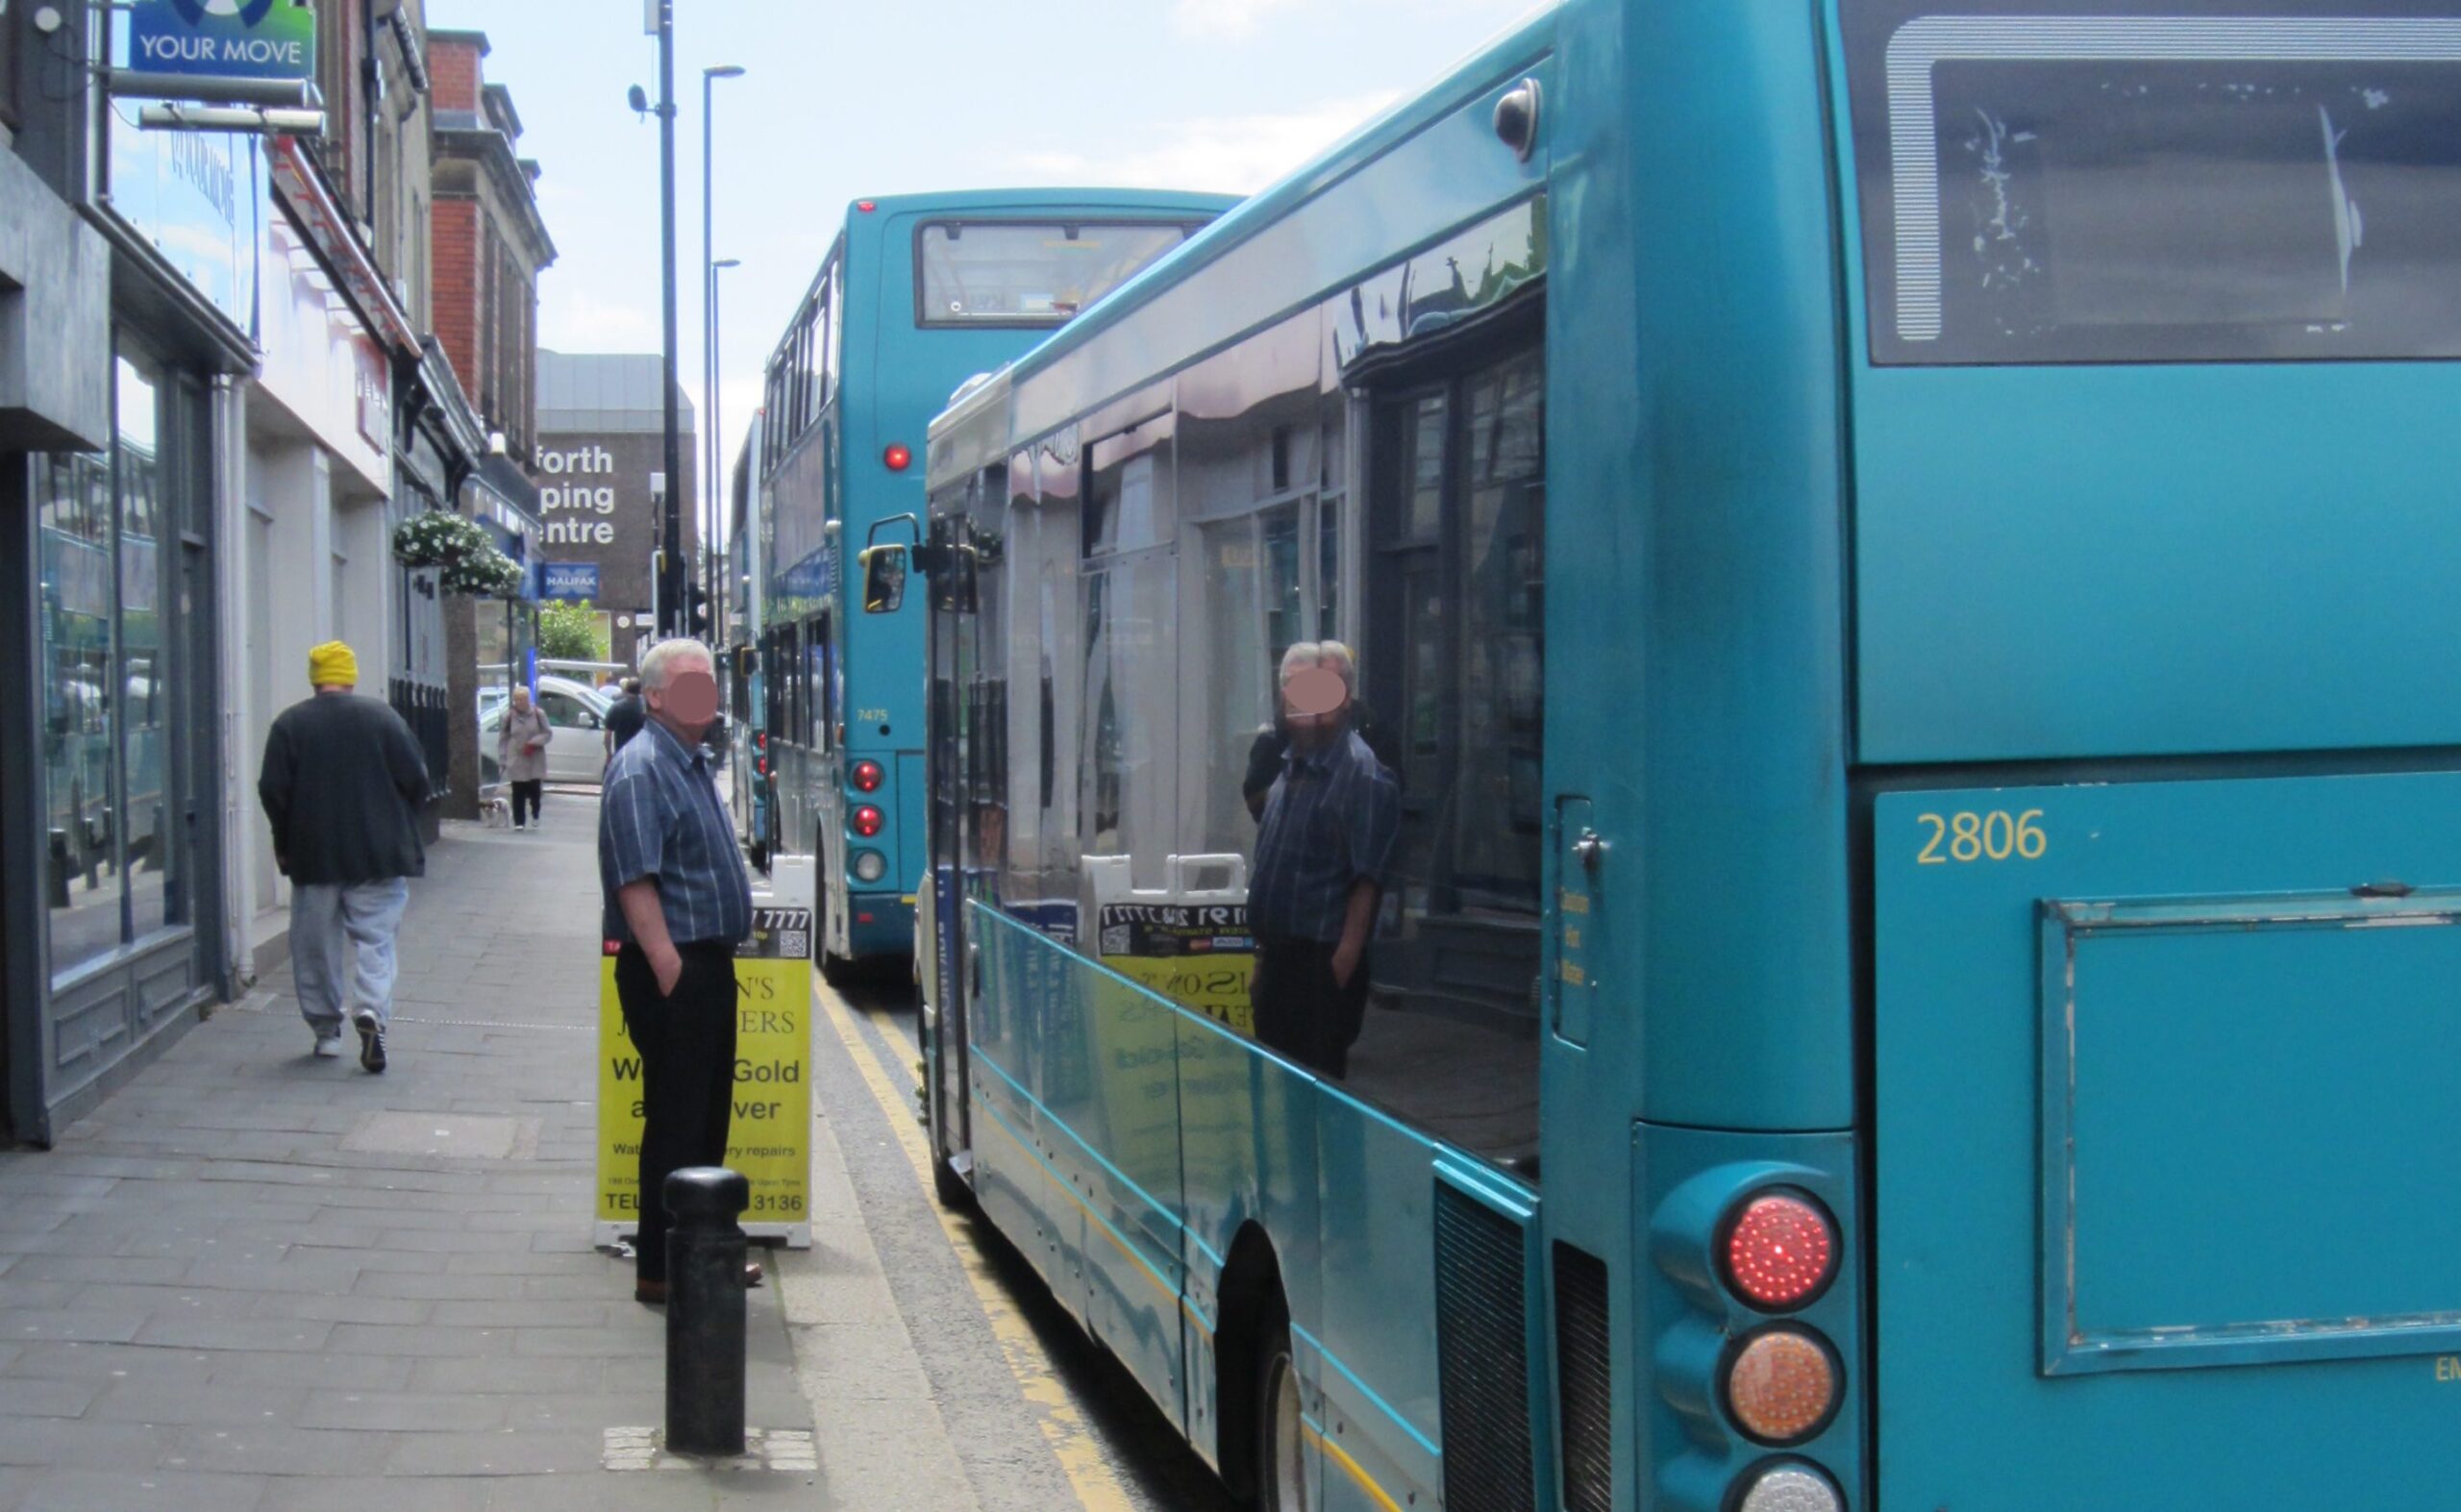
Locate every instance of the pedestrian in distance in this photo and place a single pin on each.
(521, 753)
(342, 785)
(625, 717)
(1327, 835)
(677, 902)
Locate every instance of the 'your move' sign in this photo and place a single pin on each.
(223, 38)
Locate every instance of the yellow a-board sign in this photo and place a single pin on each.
(769, 1137)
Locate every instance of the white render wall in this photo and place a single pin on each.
(308, 560)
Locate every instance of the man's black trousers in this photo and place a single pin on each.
(685, 1040)
(1301, 1011)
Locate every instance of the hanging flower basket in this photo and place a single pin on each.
(440, 538)
(459, 546)
(490, 574)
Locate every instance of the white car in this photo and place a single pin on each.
(576, 712)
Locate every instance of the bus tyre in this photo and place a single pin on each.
(1281, 1460)
(950, 1187)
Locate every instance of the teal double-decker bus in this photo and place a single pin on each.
(918, 294)
(1900, 557)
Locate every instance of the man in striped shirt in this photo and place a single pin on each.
(678, 903)
(1322, 849)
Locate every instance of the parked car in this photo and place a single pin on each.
(576, 712)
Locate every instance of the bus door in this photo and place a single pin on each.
(819, 739)
(953, 662)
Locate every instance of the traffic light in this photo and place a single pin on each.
(696, 611)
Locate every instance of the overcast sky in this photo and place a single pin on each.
(844, 100)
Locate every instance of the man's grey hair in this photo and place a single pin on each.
(659, 661)
(1325, 652)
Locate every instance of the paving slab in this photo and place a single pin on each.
(32, 1396)
(136, 1490)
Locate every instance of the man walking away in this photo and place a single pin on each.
(521, 753)
(342, 784)
(625, 717)
(1327, 836)
(677, 902)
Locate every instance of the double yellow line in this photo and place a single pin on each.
(1064, 1429)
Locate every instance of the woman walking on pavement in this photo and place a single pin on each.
(521, 753)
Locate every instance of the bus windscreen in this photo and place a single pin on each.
(1024, 273)
(2113, 189)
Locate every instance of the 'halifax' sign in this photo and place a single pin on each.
(570, 582)
(223, 38)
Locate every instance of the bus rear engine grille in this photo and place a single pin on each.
(1483, 1357)
(1585, 1381)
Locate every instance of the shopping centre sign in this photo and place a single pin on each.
(223, 38)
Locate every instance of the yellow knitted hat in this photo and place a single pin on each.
(333, 664)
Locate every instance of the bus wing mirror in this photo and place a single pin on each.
(883, 579)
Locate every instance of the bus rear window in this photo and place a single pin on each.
(1020, 273)
(2099, 187)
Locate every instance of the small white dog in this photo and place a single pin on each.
(494, 811)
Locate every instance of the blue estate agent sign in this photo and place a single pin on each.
(569, 581)
(223, 38)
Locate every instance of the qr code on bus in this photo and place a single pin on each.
(1116, 939)
(792, 943)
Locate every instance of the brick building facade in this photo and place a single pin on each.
(488, 245)
(490, 240)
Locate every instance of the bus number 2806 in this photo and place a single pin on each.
(1997, 835)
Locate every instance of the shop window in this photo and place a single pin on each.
(111, 776)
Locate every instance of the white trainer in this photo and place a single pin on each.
(329, 1046)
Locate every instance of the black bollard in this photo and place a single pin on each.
(705, 1311)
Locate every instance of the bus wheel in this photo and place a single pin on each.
(1281, 1461)
(950, 1187)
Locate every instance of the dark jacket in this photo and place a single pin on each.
(1265, 753)
(342, 782)
(625, 718)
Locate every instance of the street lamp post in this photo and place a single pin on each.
(710, 444)
(672, 579)
(720, 497)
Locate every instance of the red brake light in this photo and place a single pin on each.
(868, 777)
(867, 820)
(898, 458)
(865, 206)
(1779, 1250)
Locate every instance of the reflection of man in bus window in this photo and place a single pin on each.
(1272, 742)
(1322, 849)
